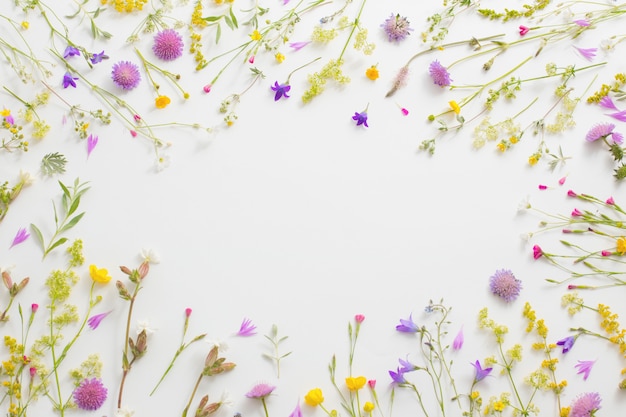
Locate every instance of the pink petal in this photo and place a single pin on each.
(298, 45)
(20, 236)
(92, 141)
(607, 103)
(620, 115)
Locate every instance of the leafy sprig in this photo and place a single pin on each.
(53, 163)
(275, 341)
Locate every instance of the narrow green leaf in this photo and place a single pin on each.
(72, 223)
(212, 18)
(38, 234)
(229, 22)
(56, 217)
(57, 243)
(94, 30)
(65, 190)
(218, 34)
(73, 207)
(233, 18)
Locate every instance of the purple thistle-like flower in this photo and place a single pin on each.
(168, 45)
(361, 118)
(70, 51)
(396, 27)
(620, 115)
(584, 367)
(20, 236)
(607, 103)
(504, 284)
(567, 343)
(587, 53)
(298, 45)
(126, 75)
(98, 57)
(603, 131)
(281, 90)
(94, 321)
(585, 405)
(480, 372)
(407, 326)
(90, 394)
(246, 328)
(458, 340)
(69, 80)
(261, 390)
(439, 74)
(92, 141)
(398, 376)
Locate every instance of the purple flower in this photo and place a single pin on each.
(299, 45)
(92, 141)
(97, 58)
(90, 394)
(407, 326)
(584, 367)
(585, 405)
(361, 118)
(458, 340)
(281, 90)
(168, 45)
(396, 27)
(439, 74)
(70, 51)
(20, 236)
(587, 53)
(620, 115)
(126, 75)
(246, 328)
(261, 390)
(94, 321)
(406, 366)
(607, 103)
(504, 284)
(398, 376)
(69, 80)
(297, 412)
(480, 372)
(567, 343)
(603, 131)
(582, 22)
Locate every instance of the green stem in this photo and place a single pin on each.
(193, 393)
(354, 26)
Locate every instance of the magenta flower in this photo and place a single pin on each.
(587, 53)
(188, 312)
(168, 45)
(94, 321)
(504, 284)
(246, 328)
(523, 30)
(34, 307)
(576, 213)
(298, 45)
(480, 372)
(126, 75)
(537, 252)
(585, 405)
(361, 118)
(92, 141)
(610, 201)
(359, 318)
(458, 340)
(297, 412)
(20, 236)
(439, 74)
(607, 103)
(567, 343)
(261, 391)
(606, 253)
(620, 115)
(98, 57)
(584, 367)
(603, 131)
(571, 193)
(69, 80)
(70, 51)
(281, 90)
(407, 326)
(90, 394)
(396, 27)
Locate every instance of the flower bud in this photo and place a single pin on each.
(22, 284)
(6, 278)
(121, 289)
(126, 270)
(144, 268)
(211, 357)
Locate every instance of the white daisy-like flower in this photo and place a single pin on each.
(221, 345)
(145, 325)
(150, 256)
(524, 204)
(124, 412)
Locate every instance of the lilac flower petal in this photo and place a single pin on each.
(582, 22)
(407, 326)
(458, 340)
(620, 115)
(94, 321)
(246, 328)
(299, 45)
(398, 376)
(297, 412)
(70, 51)
(607, 103)
(617, 138)
(92, 141)
(587, 53)
(584, 367)
(20, 236)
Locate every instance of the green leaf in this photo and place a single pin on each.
(65, 190)
(229, 22)
(73, 207)
(212, 18)
(218, 34)
(55, 244)
(53, 163)
(233, 18)
(72, 222)
(38, 234)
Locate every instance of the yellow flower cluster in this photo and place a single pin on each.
(605, 89)
(496, 405)
(125, 5)
(484, 322)
(573, 302)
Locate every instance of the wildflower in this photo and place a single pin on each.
(610, 201)
(398, 376)
(281, 90)
(297, 412)
(523, 30)
(251, 59)
(124, 412)
(368, 407)
(537, 252)
(455, 106)
(207, 88)
(100, 276)
(298, 45)
(261, 391)
(404, 111)
(458, 340)
(255, 35)
(161, 102)
(94, 321)
(150, 256)
(34, 307)
(279, 57)
(246, 328)
(168, 45)
(359, 318)
(69, 80)
(70, 51)
(355, 384)
(372, 73)
(480, 372)
(361, 118)
(98, 57)
(396, 27)
(584, 367)
(582, 22)
(407, 326)
(90, 394)
(20, 236)
(587, 53)
(585, 405)
(372, 383)
(562, 180)
(621, 246)
(92, 141)
(620, 115)
(126, 75)
(607, 103)
(504, 284)
(606, 253)
(314, 397)
(567, 343)
(603, 131)
(439, 74)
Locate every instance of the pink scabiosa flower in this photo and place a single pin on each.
(396, 27)
(168, 45)
(126, 75)
(90, 394)
(603, 131)
(260, 391)
(504, 284)
(246, 328)
(439, 74)
(585, 405)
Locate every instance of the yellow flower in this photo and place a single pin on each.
(454, 106)
(499, 406)
(279, 57)
(621, 245)
(218, 1)
(25, 25)
(5, 112)
(355, 384)
(100, 276)
(314, 397)
(162, 102)
(368, 407)
(532, 160)
(372, 73)
(501, 146)
(474, 395)
(256, 35)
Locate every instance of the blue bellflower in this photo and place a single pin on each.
(69, 80)
(70, 51)
(407, 326)
(480, 372)
(281, 90)
(567, 343)
(361, 118)
(98, 57)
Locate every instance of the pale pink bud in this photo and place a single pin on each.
(133, 133)
(251, 59)
(562, 181)
(359, 318)
(32, 371)
(372, 383)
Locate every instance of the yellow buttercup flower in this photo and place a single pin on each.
(355, 384)
(279, 57)
(621, 245)
(99, 275)
(455, 106)
(368, 407)
(25, 25)
(314, 397)
(162, 102)
(256, 35)
(372, 73)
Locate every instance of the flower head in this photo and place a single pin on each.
(71, 51)
(504, 284)
(168, 45)
(99, 275)
(480, 372)
(361, 118)
(126, 75)
(20, 236)
(523, 30)
(567, 343)
(537, 252)
(396, 27)
(439, 74)
(585, 405)
(161, 102)
(372, 73)
(94, 321)
(398, 376)
(584, 367)
(261, 390)
(90, 394)
(355, 383)
(407, 326)
(98, 57)
(246, 328)
(281, 90)
(603, 131)
(69, 80)
(314, 397)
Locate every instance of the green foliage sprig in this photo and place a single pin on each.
(275, 341)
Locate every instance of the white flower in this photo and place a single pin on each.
(8, 268)
(524, 204)
(163, 162)
(150, 256)
(226, 399)
(526, 236)
(26, 179)
(145, 325)
(124, 412)
(220, 344)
